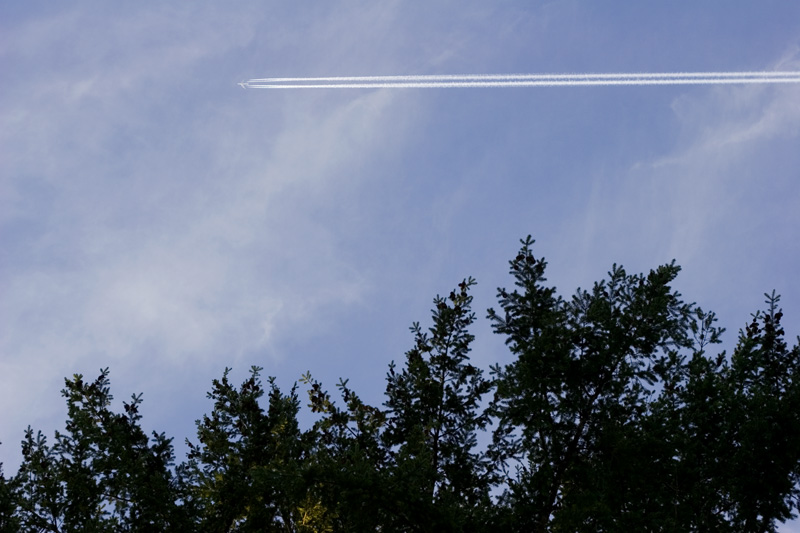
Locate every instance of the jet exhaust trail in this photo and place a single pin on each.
(522, 80)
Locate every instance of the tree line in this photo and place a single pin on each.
(613, 416)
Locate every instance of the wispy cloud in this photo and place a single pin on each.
(145, 230)
(721, 199)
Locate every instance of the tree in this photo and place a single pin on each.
(247, 471)
(102, 474)
(9, 521)
(349, 464)
(434, 415)
(583, 373)
(617, 419)
(412, 467)
(743, 428)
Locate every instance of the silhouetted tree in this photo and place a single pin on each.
(433, 418)
(247, 471)
(102, 474)
(9, 521)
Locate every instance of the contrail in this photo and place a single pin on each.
(522, 80)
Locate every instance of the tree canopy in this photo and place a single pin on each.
(614, 415)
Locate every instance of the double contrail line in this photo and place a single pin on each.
(522, 80)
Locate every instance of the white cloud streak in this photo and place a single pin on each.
(522, 80)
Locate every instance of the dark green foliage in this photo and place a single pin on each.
(349, 465)
(433, 418)
(618, 420)
(746, 416)
(9, 522)
(102, 474)
(246, 473)
(611, 416)
(585, 369)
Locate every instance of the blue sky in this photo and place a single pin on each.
(159, 220)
